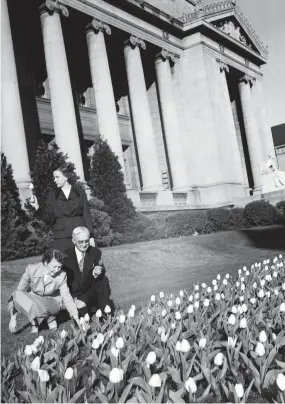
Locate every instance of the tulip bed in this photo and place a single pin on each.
(217, 343)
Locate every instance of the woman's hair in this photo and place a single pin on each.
(68, 171)
(50, 254)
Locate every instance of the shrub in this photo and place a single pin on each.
(220, 219)
(280, 212)
(107, 184)
(260, 213)
(186, 223)
(101, 222)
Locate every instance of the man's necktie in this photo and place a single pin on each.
(81, 263)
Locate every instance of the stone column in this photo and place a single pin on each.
(170, 121)
(12, 125)
(144, 133)
(102, 85)
(251, 129)
(62, 104)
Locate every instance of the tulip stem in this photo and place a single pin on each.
(116, 393)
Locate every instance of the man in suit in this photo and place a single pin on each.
(86, 277)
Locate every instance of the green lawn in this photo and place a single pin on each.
(137, 271)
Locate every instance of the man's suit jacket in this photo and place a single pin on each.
(80, 283)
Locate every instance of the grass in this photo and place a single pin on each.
(136, 271)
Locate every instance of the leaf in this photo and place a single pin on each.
(101, 397)
(104, 369)
(253, 369)
(175, 397)
(175, 374)
(140, 382)
(140, 397)
(77, 395)
(281, 364)
(203, 398)
(126, 392)
(270, 378)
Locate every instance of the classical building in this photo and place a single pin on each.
(175, 87)
(278, 133)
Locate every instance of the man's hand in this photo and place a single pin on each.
(97, 271)
(33, 201)
(92, 242)
(13, 323)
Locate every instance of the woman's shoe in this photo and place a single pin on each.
(52, 325)
(35, 329)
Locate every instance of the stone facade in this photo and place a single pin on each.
(174, 87)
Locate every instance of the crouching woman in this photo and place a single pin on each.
(48, 293)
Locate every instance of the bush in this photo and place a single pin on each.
(260, 213)
(220, 219)
(186, 223)
(280, 212)
(107, 184)
(101, 222)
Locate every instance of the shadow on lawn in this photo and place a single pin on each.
(271, 237)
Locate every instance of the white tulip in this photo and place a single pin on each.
(116, 375)
(133, 307)
(28, 350)
(216, 288)
(262, 282)
(155, 380)
(107, 309)
(190, 385)
(190, 298)
(177, 315)
(122, 319)
(43, 375)
(239, 271)
(190, 309)
(38, 341)
(247, 273)
(234, 310)
(209, 290)
(222, 296)
(206, 302)
(243, 323)
(161, 295)
(282, 307)
(266, 268)
(98, 313)
(178, 346)
(87, 318)
(241, 298)
(100, 338)
(242, 286)
(225, 282)
(239, 390)
(149, 312)
(173, 326)
(262, 336)
(203, 285)
(240, 310)
(214, 282)
(196, 296)
(275, 274)
(268, 278)
(196, 305)
(131, 314)
(268, 293)
(260, 294)
(280, 381)
(184, 346)
(177, 301)
(163, 337)
(232, 319)
(160, 330)
(244, 308)
(95, 344)
(119, 343)
(242, 279)
(115, 351)
(227, 276)
(163, 313)
(202, 343)
(231, 342)
(254, 285)
(35, 365)
(169, 303)
(31, 186)
(260, 350)
(34, 348)
(237, 284)
(196, 287)
(63, 334)
(219, 358)
(280, 256)
(151, 358)
(181, 293)
(253, 300)
(218, 277)
(274, 336)
(68, 375)
(152, 299)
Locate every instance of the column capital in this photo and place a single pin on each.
(97, 26)
(52, 6)
(247, 79)
(134, 41)
(166, 55)
(223, 66)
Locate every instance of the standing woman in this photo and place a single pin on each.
(67, 206)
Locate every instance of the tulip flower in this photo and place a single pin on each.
(274, 336)
(202, 343)
(254, 285)
(241, 298)
(38, 341)
(247, 273)
(184, 346)
(239, 390)
(218, 277)
(190, 385)
(206, 302)
(282, 307)
(116, 375)
(115, 352)
(203, 285)
(133, 307)
(196, 305)
(173, 326)
(155, 380)
(214, 282)
(43, 375)
(275, 274)
(35, 365)
(177, 301)
(242, 279)
(243, 323)
(239, 271)
(100, 338)
(68, 375)
(151, 358)
(196, 287)
(280, 381)
(178, 315)
(240, 309)
(31, 186)
(87, 318)
(107, 309)
(209, 290)
(98, 313)
(215, 288)
(237, 284)
(131, 314)
(231, 342)
(163, 313)
(268, 278)
(196, 296)
(34, 348)
(190, 298)
(225, 282)
(160, 330)
(63, 334)
(242, 286)
(149, 312)
(119, 343)
(262, 336)
(262, 282)
(253, 300)
(28, 350)
(161, 295)
(163, 337)
(260, 350)
(178, 346)
(244, 308)
(122, 319)
(181, 293)
(152, 299)
(95, 344)
(234, 310)
(169, 303)
(227, 276)
(232, 319)
(219, 358)
(222, 296)
(261, 294)
(190, 309)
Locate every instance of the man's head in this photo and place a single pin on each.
(80, 238)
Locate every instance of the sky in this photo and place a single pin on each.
(267, 19)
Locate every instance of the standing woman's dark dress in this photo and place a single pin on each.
(68, 214)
